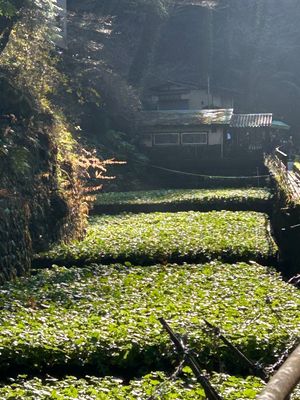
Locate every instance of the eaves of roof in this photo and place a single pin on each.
(185, 117)
(251, 120)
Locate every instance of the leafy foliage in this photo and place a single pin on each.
(28, 56)
(184, 236)
(110, 388)
(105, 317)
(30, 64)
(178, 196)
(255, 199)
(13, 155)
(7, 8)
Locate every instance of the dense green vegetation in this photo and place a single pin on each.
(257, 199)
(160, 237)
(297, 167)
(191, 195)
(104, 318)
(7, 8)
(111, 388)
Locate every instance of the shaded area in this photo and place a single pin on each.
(246, 199)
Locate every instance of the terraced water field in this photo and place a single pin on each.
(255, 199)
(104, 318)
(95, 315)
(171, 237)
(91, 388)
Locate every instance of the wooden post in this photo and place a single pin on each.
(284, 381)
(222, 144)
(208, 91)
(192, 362)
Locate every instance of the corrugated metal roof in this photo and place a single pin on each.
(251, 120)
(185, 117)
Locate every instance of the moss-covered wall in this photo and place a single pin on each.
(33, 211)
(40, 187)
(15, 242)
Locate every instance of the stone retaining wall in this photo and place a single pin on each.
(15, 243)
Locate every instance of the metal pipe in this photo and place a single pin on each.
(284, 381)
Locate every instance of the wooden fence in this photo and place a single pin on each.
(287, 180)
(282, 157)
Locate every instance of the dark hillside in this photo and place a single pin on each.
(184, 50)
(251, 47)
(256, 51)
(248, 47)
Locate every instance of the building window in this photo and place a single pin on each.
(194, 138)
(166, 139)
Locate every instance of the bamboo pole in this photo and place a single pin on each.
(284, 381)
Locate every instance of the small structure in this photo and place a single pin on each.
(250, 133)
(178, 124)
(219, 127)
(191, 130)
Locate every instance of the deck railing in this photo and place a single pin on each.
(278, 170)
(281, 156)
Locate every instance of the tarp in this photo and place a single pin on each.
(280, 125)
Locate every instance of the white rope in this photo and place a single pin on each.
(207, 176)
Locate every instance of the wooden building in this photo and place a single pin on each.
(185, 131)
(185, 124)
(220, 129)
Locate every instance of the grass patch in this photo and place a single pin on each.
(256, 199)
(171, 237)
(104, 318)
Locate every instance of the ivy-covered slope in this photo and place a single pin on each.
(40, 158)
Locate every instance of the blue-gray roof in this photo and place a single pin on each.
(280, 125)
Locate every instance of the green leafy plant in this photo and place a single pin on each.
(257, 199)
(176, 237)
(155, 384)
(105, 317)
(176, 196)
